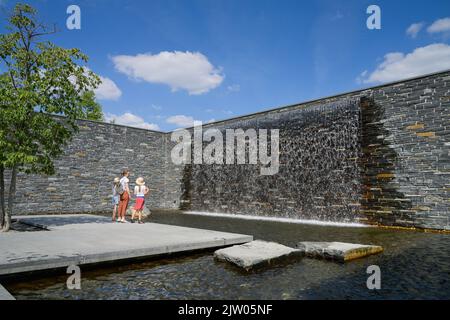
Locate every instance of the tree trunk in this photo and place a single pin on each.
(2, 196)
(11, 198)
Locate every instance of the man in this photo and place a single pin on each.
(125, 196)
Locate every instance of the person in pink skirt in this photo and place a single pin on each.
(140, 191)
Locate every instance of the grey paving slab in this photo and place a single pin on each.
(86, 240)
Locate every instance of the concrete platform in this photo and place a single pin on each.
(5, 295)
(339, 251)
(87, 239)
(256, 254)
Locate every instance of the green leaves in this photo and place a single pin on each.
(92, 109)
(41, 80)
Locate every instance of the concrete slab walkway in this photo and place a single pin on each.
(86, 239)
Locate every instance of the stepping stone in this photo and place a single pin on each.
(339, 251)
(256, 254)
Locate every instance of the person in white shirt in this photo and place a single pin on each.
(140, 191)
(124, 195)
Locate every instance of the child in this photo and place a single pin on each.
(115, 197)
(140, 190)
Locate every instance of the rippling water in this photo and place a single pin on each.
(414, 265)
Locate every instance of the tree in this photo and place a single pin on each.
(41, 80)
(93, 108)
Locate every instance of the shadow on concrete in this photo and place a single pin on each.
(47, 222)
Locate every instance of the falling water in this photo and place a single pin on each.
(318, 178)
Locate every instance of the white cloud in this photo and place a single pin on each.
(234, 88)
(190, 71)
(337, 16)
(423, 60)
(185, 121)
(228, 112)
(414, 29)
(224, 111)
(131, 120)
(107, 90)
(361, 77)
(181, 120)
(440, 25)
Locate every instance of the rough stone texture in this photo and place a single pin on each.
(85, 239)
(403, 155)
(339, 251)
(5, 295)
(378, 156)
(256, 254)
(84, 174)
(318, 178)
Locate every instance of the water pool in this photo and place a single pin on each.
(414, 265)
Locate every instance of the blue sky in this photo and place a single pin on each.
(165, 63)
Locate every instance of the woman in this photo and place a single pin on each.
(140, 190)
(115, 198)
(125, 195)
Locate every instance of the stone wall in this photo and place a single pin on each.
(404, 161)
(379, 155)
(84, 174)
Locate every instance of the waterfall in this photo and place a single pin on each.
(319, 175)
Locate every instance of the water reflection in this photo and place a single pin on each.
(414, 265)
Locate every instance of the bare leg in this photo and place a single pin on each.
(114, 212)
(123, 211)
(121, 203)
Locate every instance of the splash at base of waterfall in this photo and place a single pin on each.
(277, 219)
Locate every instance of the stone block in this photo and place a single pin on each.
(338, 251)
(416, 126)
(256, 254)
(385, 175)
(425, 134)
